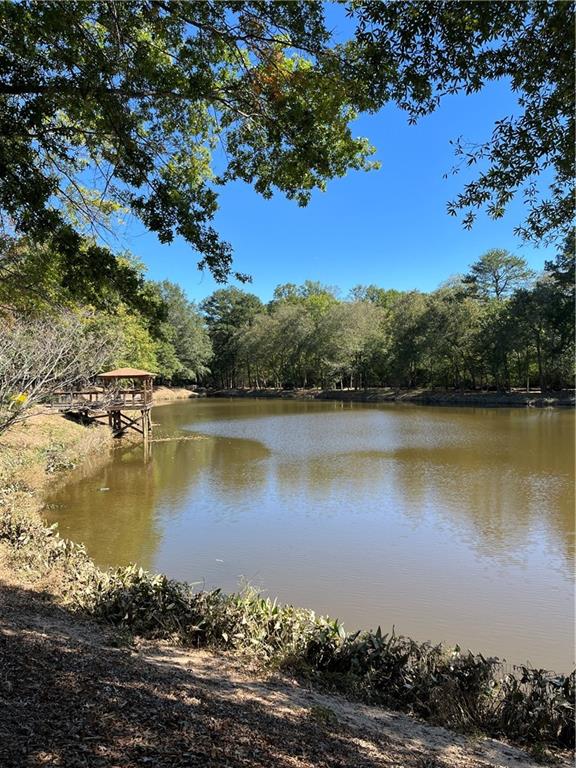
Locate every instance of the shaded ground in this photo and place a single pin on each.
(69, 698)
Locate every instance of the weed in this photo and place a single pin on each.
(57, 460)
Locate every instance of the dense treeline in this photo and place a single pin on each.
(499, 326)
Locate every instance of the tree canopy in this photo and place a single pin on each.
(498, 273)
(502, 326)
(108, 107)
(416, 53)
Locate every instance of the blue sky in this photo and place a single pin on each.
(387, 227)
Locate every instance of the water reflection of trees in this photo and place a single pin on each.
(122, 524)
(117, 524)
(500, 497)
(496, 476)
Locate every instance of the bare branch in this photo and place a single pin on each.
(40, 356)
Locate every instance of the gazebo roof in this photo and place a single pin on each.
(126, 373)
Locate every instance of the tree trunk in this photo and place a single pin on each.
(540, 366)
(507, 385)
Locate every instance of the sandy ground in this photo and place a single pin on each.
(167, 394)
(70, 697)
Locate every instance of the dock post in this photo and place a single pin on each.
(145, 427)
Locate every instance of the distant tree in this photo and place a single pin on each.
(497, 274)
(562, 273)
(256, 345)
(226, 311)
(290, 292)
(291, 344)
(452, 324)
(497, 339)
(306, 360)
(382, 297)
(311, 288)
(530, 308)
(185, 331)
(136, 345)
(405, 366)
(287, 292)
(351, 331)
(541, 312)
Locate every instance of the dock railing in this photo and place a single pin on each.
(102, 399)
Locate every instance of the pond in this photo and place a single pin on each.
(450, 524)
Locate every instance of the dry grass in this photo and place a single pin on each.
(167, 394)
(37, 449)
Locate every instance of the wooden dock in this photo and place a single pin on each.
(123, 398)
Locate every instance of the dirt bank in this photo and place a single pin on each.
(69, 696)
(422, 396)
(167, 394)
(43, 448)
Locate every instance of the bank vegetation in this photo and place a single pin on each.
(448, 686)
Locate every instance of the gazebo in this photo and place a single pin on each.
(130, 386)
(121, 390)
(128, 389)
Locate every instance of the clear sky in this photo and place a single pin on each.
(389, 227)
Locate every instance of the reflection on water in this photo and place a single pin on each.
(452, 524)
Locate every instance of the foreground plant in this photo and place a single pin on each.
(447, 686)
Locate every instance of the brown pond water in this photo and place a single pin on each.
(452, 524)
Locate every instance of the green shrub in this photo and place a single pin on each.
(458, 689)
(455, 688)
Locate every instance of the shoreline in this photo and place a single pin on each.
(37, 559)
(162, 394)
(417, 396)
(77, 694)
